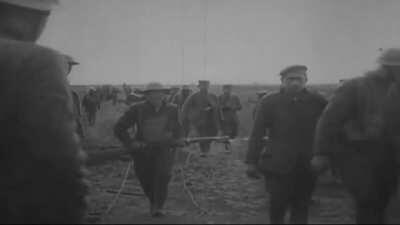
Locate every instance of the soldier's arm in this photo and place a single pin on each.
(339, 110)
(127, 121)
(262, 122)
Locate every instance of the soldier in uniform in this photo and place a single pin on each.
(114, 95)
(152, 148)
(180, 97)
(179, 100)
(229, 104)
(290, 116)
(41, 159)
(91, 104)
(359, 134)
(75, 99)
(200, 110)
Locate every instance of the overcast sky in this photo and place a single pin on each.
(225, 41)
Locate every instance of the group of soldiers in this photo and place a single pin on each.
(297, 134)
(162, 121)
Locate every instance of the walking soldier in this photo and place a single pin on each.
(229, 104)
(359, 134)
(201, 111)
(153, 147)
(290, 116)
(91, 104)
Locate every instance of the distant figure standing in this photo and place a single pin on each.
(229, 104)
(179, 100)
(201, 111)
(114, 95)
(91, 104)
(76, 100)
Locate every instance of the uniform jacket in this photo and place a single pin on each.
(201, 109)
(152, 126)
(41, 160)
(291, 122)
(91, 103)
(229, 105)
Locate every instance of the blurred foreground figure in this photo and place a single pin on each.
(229, 104)
(290, 116)
(359, 133)
(200, 110)
(91, 104)
(41, 161)
(154, 144)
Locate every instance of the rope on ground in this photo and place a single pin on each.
(185, 187)
(116, 196)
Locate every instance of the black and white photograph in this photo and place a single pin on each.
(199, 111)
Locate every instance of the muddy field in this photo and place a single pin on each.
(203, 190)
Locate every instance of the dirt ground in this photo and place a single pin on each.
(203, 190)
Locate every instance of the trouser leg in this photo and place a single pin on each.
(163, 173)
(204, 145)
(94, 117)
(144, 172)
(235, 129)
(279, 198)
(91, 118)
(303, 187)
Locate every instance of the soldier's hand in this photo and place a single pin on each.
(319, 164)
(252, 172)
